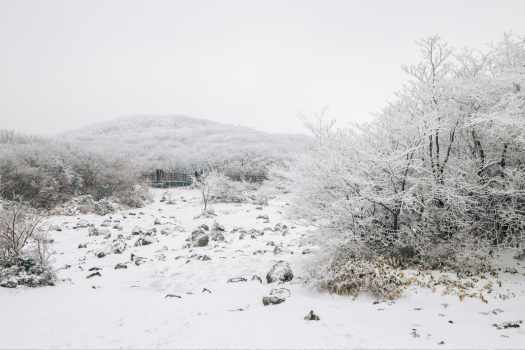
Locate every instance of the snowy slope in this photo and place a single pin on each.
(129, 307)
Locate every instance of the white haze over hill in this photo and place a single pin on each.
(177, 140)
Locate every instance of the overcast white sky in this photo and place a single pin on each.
(65, 64)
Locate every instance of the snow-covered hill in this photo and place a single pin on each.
(165, 140)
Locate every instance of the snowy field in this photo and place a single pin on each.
(175, 296)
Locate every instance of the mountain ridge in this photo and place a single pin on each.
(162, 140)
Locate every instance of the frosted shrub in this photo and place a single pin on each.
(136, 196)
(20, 229)
(217, 187)
(18, 225)
(352, 273)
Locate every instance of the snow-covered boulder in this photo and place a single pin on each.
(143, 241)
(281, 271)
(94, 231)
(201, 241)
(118, 246)
(217, 236)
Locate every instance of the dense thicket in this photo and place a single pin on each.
(444, 162)
(45, 173)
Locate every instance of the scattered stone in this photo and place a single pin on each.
(82, 245)
(203, 257)
(94, 274)
(157, 221)
(236, 279)
(281, 271)
(142, 241)
(311, 316)
(252, 234)
(100, 254)
(93, 231)
(414, 333)
(238, 309)
(121, 266)
(201, 240)
(272, 300)
(218, 236)
(173, 296)
(204, 227)
(508, 324)
(137, 231)
(206, 290)
(151, 232)
(55, 228)
(257, 278)
(280, 227)
(138, 260)
(218, 227)
(95, 269)
(118, 246)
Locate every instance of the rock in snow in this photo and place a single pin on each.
(311, 316)
(199, 238)
(281, 271)
(272, 300)
(121, 266)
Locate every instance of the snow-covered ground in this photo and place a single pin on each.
(132, 307)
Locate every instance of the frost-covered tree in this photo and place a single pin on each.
(442, 161)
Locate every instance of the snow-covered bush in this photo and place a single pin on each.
(20, 230)
(225, 190)
(351, 272)
(25, 272)
(18, 226)
(217, 187)
(47, 174)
